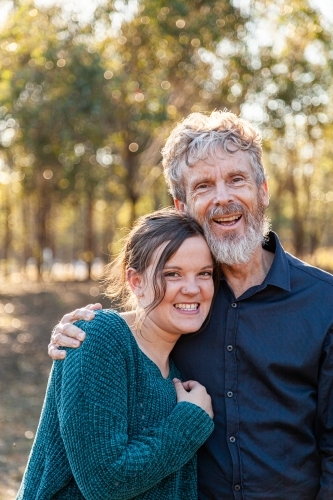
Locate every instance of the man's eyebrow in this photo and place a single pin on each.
(239, 170)
(199, 180)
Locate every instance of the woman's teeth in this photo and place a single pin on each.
(187, 307)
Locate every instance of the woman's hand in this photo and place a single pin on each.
(66, 334)
(193, 392)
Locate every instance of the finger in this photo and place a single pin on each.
(63, 340)
(83, 313)
(178, 386)
(189, 385)
(67, 330)
(67, 317)
(94, 307)
(56, 353)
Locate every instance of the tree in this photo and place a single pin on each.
(85, 111)
(291, 88)
(53, 95)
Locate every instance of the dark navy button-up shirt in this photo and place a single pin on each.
(266, 358)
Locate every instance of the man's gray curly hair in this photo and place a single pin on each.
(200, 136)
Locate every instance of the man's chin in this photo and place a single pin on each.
(225, 233)
(233, 248)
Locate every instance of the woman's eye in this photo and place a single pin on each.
(206, 273)
(171, 274)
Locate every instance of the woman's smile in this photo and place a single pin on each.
(192, 308)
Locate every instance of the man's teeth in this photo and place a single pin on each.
(228, 219)
(187, 307)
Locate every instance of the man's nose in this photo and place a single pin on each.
(223, 194)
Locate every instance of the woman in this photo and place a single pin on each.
(117, 423)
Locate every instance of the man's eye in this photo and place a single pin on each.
(202, 186)
(237, 179)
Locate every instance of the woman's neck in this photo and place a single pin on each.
(154, 342)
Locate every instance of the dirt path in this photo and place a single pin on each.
(27, 314)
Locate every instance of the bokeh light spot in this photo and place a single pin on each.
(47, 174)
(133, 147)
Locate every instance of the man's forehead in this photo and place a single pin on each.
(229, 163)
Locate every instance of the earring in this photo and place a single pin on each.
(139, 295)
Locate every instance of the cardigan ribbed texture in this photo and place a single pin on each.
(111, 428)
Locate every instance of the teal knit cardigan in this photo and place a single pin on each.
(111, 427)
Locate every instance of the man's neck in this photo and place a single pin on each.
(241, 277)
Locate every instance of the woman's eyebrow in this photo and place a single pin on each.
(209, 266)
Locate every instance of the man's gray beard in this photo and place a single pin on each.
(232, 248)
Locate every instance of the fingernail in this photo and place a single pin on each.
(75, 343)
(91, 315)
(81, 336)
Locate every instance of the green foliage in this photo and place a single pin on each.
(85, 109)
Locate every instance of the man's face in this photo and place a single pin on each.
(222, 195)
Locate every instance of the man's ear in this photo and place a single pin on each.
(135, 282)
(180, 206)
(264, 194)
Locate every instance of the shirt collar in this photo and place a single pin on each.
(279, 273)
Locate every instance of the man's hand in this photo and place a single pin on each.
(66, 334)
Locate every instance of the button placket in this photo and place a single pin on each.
(231, 371)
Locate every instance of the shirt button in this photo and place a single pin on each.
(234, 305)
(232, 439)
(237, 487)
(229, 348)
(230, 394)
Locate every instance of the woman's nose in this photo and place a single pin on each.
(190, 288)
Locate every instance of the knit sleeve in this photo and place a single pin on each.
(106, 463)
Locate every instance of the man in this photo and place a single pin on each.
(266, 354)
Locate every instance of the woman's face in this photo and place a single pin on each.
(189, 288)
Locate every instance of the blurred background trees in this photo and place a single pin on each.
(85, 108)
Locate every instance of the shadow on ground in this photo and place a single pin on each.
(28, 313)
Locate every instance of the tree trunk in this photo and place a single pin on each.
(8, 234)
(44, 205)
(89, 237)
(131, 164)
(298, 219)
(26, 215)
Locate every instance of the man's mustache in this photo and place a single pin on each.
(227, 210)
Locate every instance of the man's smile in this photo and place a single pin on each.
(227, 220)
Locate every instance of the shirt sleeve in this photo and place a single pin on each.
(93, 407)
(324, 424)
